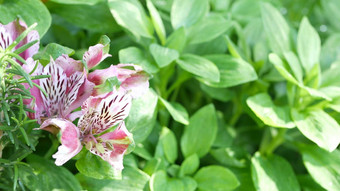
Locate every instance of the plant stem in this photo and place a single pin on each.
(52, 149)
(270, 143)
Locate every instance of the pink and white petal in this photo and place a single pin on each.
(83, 94)
(75, 115)
(31, 36)
(5, 37)
(111, 111)
(15, 28)
(74, 82)
(126, 70)
(70, 139)
(69, 65)
(136, 85)
(94, 55)
(100, 76)
(115, 145)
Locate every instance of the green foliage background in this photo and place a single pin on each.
(245, 94)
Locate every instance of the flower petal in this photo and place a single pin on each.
(5, 37)
(69, 65)
(94, 55)
(113, 145)
(70, 143)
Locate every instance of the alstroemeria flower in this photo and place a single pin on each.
(67, 88)
(98, 115)
(95, 55)
(9, 33)
(132, 77)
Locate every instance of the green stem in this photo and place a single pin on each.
(52, 149)
(269, 143)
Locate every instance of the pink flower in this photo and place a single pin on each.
(95, 55)
(9, 33)
(98, 115)
(67, 88)
(132, 78)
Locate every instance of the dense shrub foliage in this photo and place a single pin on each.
(176, 95)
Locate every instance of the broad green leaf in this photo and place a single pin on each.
(308, 45)
(129, 16)
(156, 21)
(162, 55)
(177, 111)
(31, 11)
(227, 156)
(273, 173)
(169, 144)
(188, 12)
(276, 28)
(221, 94)
(319, 127)
(160, 182)
(142, 116)
(208, 29)
(79, 15)
(295, 65)
(132, 180)
(189, 183)
(199, 66)
(52, 50)
(200, 134)
(177, 40)
(331, 75)
(272, 115)
(137, 56)
(87, 2)
(216, 178)
(323, 166)
(307, 183)
(233, 71)
(189, 165)
(50, 176)
(93, 166)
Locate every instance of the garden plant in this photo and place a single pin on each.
(170, 95)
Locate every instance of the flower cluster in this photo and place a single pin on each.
(70, 85)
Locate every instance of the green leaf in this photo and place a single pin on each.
(31, 11)
(200, 134)
(137, 56)
(319, 127)
(189, 183)
(273, 173)
(55, 50)
(199, 66)
(142, 116)
(169, 144)
(177, 40)
(272, 115)
(221, 94)
(162, 55)
(308, 45)
(216, 178)
(132, 18)
(160, 182)
(189, 165)
(132, 180)
(78, 14)
(157, 21)
(233, 71)
(93, 166)
(307, 183)
(208, 29)
(177, 111)
(87, 2)
(276, 28)
(188, 12)
(50, 176)
(226, 156)
(295, 65)
(323, 166)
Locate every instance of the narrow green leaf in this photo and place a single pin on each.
(199, 66)
(272, 115)
(276, 28)
(319, 127)
(200, 134)
(216, 178)
(169, 144)
(157, 21)
(273, 173)
(295, 65)
(308, 45)
(177, 111)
